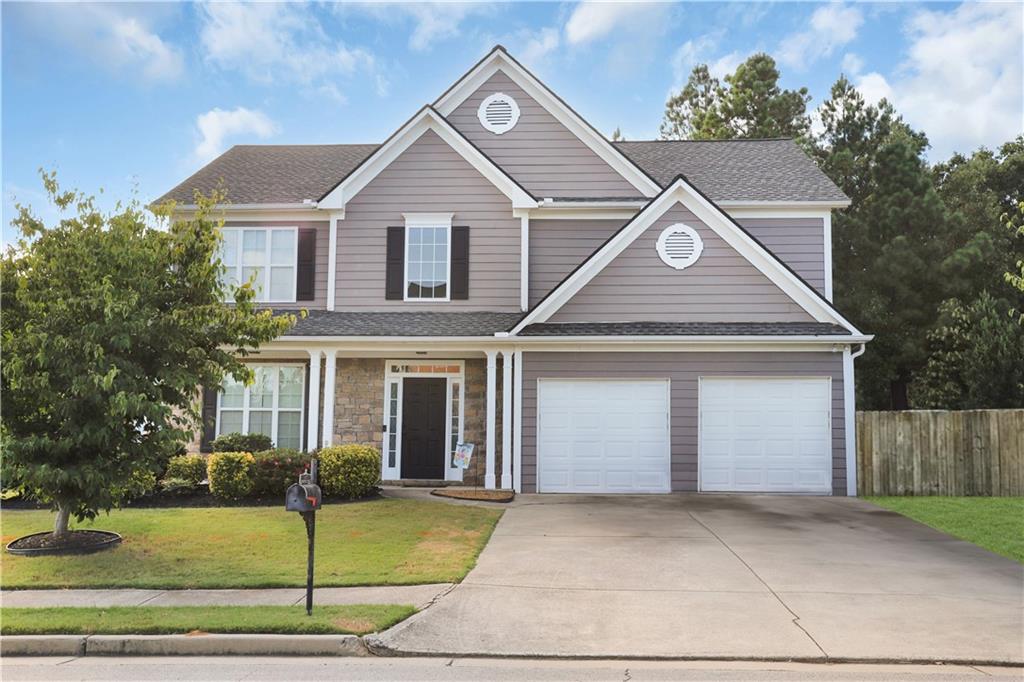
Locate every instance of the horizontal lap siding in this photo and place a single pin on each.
(323, 240)
(558, 246)
(798, 242)
(722, 286)
(683, 370)
(429, 177)
(541, 153)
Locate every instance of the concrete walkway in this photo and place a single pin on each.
(723, 576)
(419, 596)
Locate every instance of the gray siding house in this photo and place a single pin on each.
(595, 317)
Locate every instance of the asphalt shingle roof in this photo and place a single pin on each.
(336, 323)
(736, 170)
(684, 329)
(733, 170)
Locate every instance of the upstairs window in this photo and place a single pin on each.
(267, 256)
(427, 260)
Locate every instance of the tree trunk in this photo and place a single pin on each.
(898, 394)
(60, 526)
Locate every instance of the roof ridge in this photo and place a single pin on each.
(735, 139)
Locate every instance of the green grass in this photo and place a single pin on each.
(382, 542)
(169, 620)
(995, 523)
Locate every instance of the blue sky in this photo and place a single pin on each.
(125, 96)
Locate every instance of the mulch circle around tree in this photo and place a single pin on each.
(475, 494)
(77, 542)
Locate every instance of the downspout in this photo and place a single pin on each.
(850, 417)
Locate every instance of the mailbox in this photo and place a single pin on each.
(303, 496)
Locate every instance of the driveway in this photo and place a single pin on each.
(706, 576)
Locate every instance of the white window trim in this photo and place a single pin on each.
(481, 113)
(275, 408)
(390, 377)
(443, 220)
(267, 265)
(662, 246)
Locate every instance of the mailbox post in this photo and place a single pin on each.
(305, 497)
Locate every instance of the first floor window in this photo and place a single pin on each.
(265, 256)
(271, 405)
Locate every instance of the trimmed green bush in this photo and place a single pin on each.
(177, 487)
(191, 468)
(350, 471)
(277, 469)
(141, 483)
(241, 442)
(230, 474)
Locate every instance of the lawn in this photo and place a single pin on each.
(169, 620)
(995, 523)
(381, 542)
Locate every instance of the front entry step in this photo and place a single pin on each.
(421, 483)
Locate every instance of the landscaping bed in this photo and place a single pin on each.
(352, 619)
(378, 542)
(995, 523)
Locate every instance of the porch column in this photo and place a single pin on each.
(517, 443)
(313, 402)
(329, 376)
(491, 409)
(506, 419)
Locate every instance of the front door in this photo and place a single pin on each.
(423, 427)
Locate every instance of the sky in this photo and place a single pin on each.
(131, 98)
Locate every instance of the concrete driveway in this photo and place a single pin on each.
(706, 576)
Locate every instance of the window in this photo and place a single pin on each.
(427, 262)
(271, 405)
(265, 255)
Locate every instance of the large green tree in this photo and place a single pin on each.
(109, 325)
(749, 104)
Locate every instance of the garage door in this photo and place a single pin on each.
(765, 435)
(601, 436)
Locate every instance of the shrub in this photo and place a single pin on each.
(277, 469)
(230, 474)
(140, 483)
(241, 442)
(349, 471)
(191, 468)
(177, 487)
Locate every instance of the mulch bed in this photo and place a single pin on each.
(75, 542)
(162, 500)
(480, 495)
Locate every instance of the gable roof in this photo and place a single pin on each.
(682, 191)
(498, 59)
(737, 170)
(425, 119)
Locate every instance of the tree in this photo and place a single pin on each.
(975, 358)
(109, 325)
(749, 105)
(617, 135)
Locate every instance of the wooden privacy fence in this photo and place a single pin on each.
(938, 452)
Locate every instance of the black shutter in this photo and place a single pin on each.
(306, 263)
(209, 415)
(460, 263)
(395, 282)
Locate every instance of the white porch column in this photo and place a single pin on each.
(313, 402)
(517, 444)
(506, 419)
(491, 409)
(329, 376)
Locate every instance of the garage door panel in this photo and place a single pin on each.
(618, 431)
(765, 435)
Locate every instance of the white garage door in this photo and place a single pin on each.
(765, 435)
(603, 436)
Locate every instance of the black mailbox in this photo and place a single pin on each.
(303, 496)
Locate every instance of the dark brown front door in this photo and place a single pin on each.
(423, 410)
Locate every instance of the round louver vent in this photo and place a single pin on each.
(680, 246)
(498, 113)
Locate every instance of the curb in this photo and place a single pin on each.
(182, 645)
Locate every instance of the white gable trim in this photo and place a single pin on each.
(426, 119)
(499, 60)
(683, 192)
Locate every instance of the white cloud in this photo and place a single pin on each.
(118, 36)
(535, 46)
(433, 22)
(279, 42)
(852, 64)
(592, 21)
(962, 79)
(831, 26)
(698, 51)
(217, 124)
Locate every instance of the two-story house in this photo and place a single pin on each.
(596, 316)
